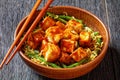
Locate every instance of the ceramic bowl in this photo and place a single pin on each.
(68, 73)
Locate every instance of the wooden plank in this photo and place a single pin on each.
(114, 24)
(12, 11)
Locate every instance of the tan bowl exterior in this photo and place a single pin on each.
(69, 73)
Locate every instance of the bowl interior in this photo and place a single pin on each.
(91, 21)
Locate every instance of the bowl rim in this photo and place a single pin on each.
(103, 52)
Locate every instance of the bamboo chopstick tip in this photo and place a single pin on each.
(0, 66)
(7, 62)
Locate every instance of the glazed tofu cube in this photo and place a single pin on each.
(47, 22)
(61, 25)
(31, 42)
(43, 46)
(85, 38)
(75, 25)
(69, 33)
(54, 34)
(65, 58)
(35, 38)
(67, 45)
(38, 35)
(51, 52)
(79, 54)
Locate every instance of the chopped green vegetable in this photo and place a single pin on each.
(64, 66)
(69, 18)
(76, 64)
(56, 17)
(53, 65)
(99, 40)
(96, 33)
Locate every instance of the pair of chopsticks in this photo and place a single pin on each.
(38, 18)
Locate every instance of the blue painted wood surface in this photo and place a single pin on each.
(12, 11)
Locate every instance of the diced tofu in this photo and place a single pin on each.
(47, 22)
(61, 25)
(69, 33)
(75, 25)
(65, 58)
(85, 38)
(38, 35)
(79, 54)
(35, 38)
(67, 45)
(51, 52)
(43, 46)
(31, 42)
(54, 34)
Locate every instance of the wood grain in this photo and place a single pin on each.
(12, 11)
(114, 24)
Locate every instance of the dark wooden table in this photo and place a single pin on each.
(12, 11)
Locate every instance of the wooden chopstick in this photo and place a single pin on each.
(21, 31)
(40, 15)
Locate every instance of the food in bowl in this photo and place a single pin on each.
(62, 41)
(68, 73)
